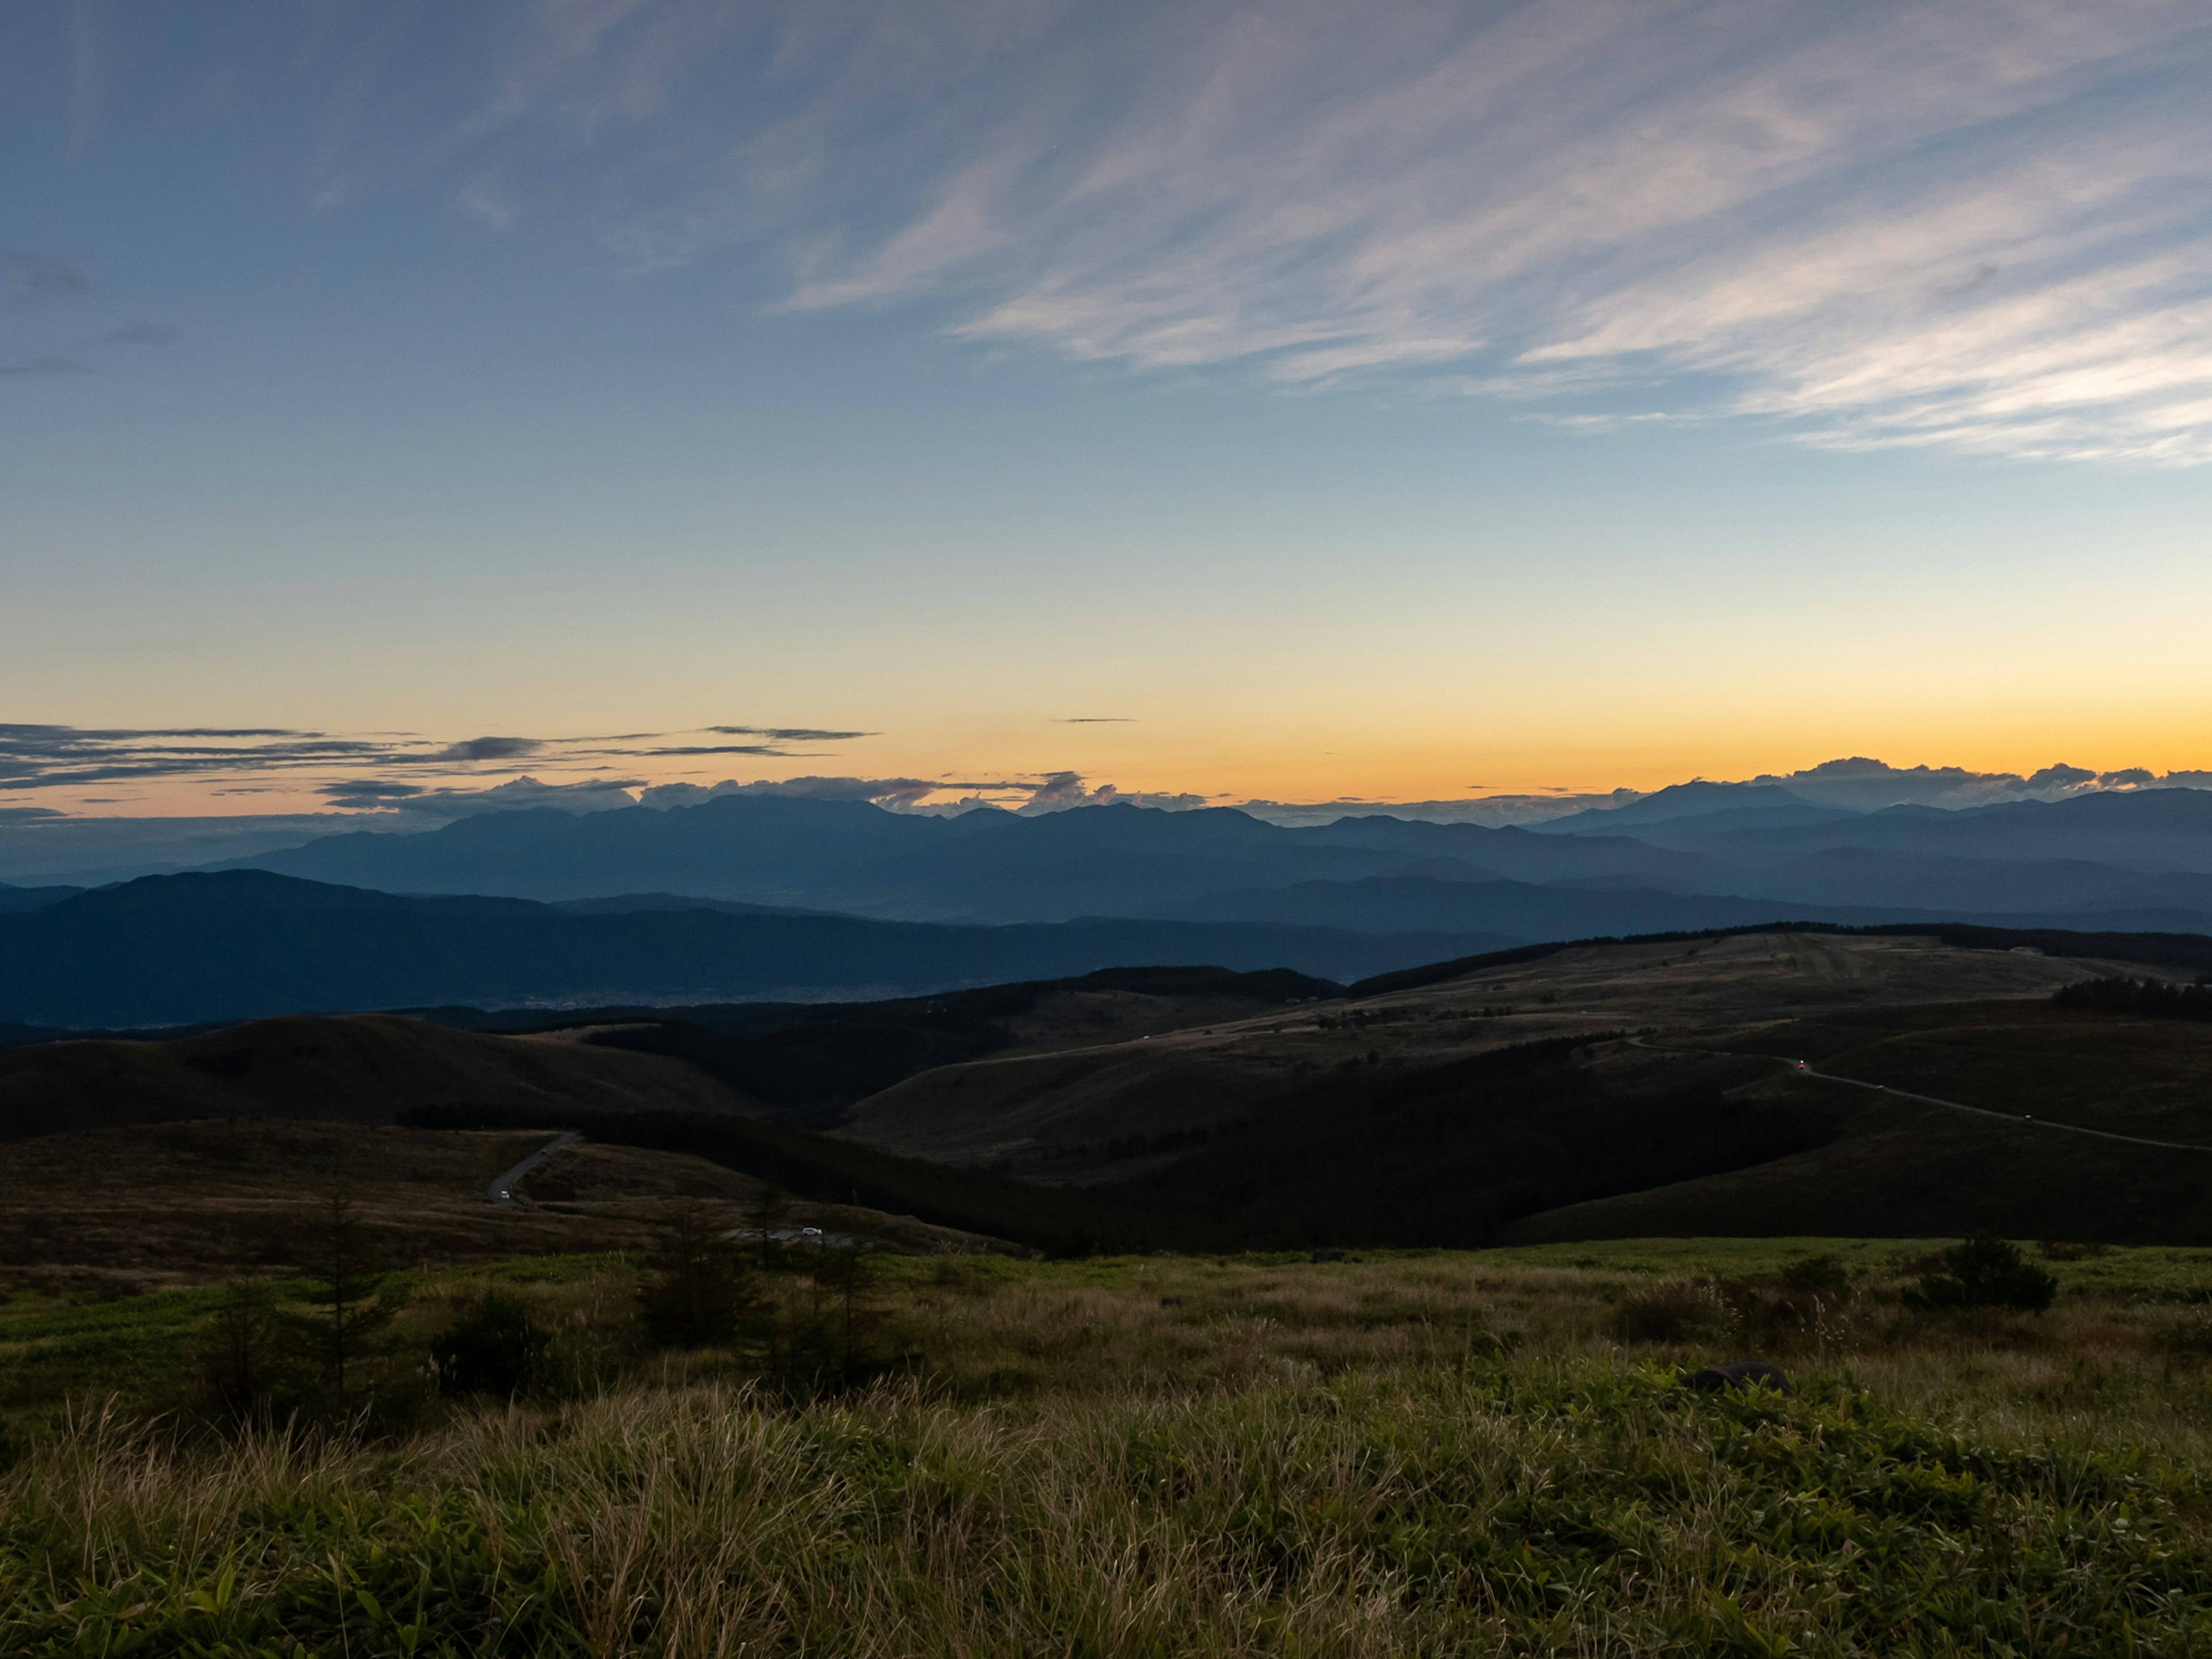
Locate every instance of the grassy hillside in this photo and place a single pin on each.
(1302, 1122)
(2107, 1071)
(1451, 1154)
(1061, 1221)
(1446, 1454)
(1684, 984)
(102, 1212)
(1905, 1167)
(809, 1059)
(1197, 1108)
(364, 1068)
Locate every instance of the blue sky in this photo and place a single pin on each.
(1395, 401)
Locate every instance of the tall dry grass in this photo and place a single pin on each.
(1187, 1458)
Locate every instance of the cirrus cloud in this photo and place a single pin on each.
(1981, 225)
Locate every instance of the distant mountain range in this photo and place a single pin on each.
(15, 899)
(174, 950)
(2146, 855)
(747, 896)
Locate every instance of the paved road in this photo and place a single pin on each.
(1799, 1068)
(502, 1190)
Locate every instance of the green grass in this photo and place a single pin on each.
(1414, 1453)
(140, 1351)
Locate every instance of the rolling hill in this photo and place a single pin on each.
(1604, 1088)
(361, 1068)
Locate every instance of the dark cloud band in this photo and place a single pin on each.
(51, 757)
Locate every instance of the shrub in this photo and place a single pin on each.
(1984, 1272)
(2188, 1336)
(2054, 1249)
(1824, 1276)
(1679, 1310)
(495, 1347)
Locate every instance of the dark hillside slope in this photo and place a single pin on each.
(1451, 1155)
(1904, 1170)
(362, 1068)
(174, 950)
(1907, 1168)
(813, 1060)
(1060, 1220)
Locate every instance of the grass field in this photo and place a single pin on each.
(1440, 1453)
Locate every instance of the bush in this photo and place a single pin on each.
(1679, 1310)
(1824, 1276)
(495, 1347)
(1984, 1272)
(2189, 1336)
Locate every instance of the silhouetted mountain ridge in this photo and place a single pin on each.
(171, 950)
(2136, 852)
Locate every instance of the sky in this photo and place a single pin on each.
(1012, 399)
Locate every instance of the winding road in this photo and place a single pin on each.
(502, 1190)
(1799, 1068)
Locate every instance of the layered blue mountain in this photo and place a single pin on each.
(1708, 806)
(750, 896)
(2150, 831)
(2144, 857)
(174, 950)
(1532, 911)
(982, 867)
(15, 899)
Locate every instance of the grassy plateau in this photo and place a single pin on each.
(1439, 1453)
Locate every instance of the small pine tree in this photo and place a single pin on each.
(242, 1358)
(351, 1291)
(850, 1276)
(768, 1214)
(696, 1292)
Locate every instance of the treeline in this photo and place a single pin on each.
(1452, 1155)
(1057, 1220)
(2155, 998)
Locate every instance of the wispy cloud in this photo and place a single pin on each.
(787, 733)
(1980, 225)
(1049, 792)
(354, 771)
(26, 277)
(27, 280)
